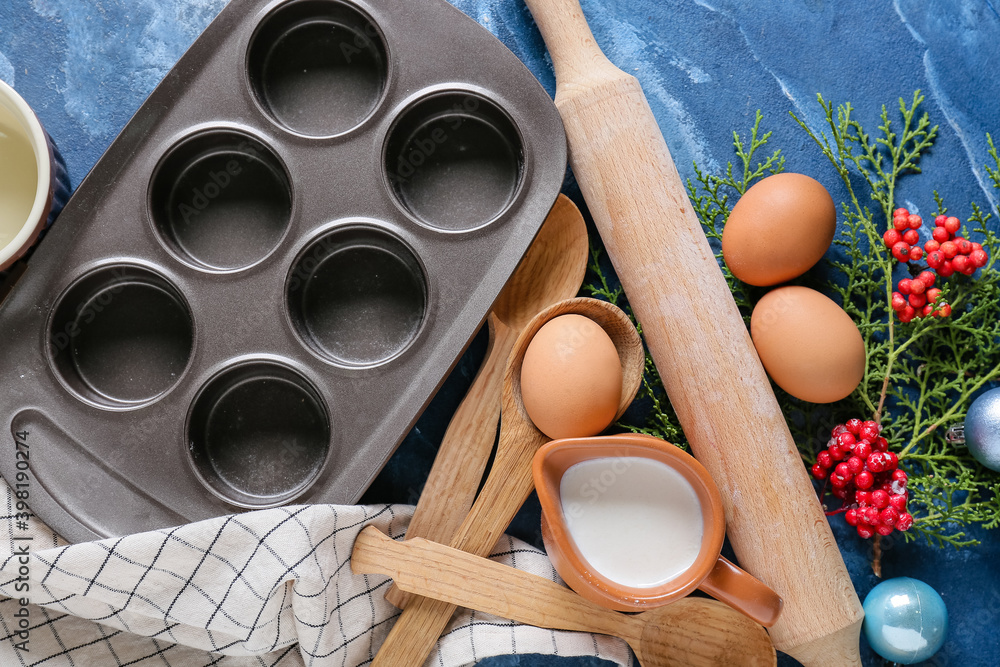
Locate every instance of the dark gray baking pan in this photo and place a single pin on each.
(259, 287)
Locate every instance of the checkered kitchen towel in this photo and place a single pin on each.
(272, 587)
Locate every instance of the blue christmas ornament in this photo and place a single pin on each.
(982, 429)
(905, 620)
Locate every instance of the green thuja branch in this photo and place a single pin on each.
(867, 289)
(920, 376)
(993, 171)
(599, 287)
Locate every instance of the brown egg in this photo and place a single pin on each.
(778, 229)
(809, 346)
(571, 378)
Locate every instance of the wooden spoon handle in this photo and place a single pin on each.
(699, 343)
(508, 486)
(430, 569)
(415, 632)
(693, 631)
(465, 450)
(510, 483)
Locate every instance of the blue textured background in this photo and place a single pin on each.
(706, 66)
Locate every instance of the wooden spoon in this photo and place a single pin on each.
(552, 270)
(691, 631)
(510, 482)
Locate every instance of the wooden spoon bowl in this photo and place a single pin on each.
(609, 317)
(510, 481)
(698, 631)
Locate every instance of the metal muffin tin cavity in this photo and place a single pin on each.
(260, 286)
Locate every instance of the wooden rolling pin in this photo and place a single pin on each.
(699, 343)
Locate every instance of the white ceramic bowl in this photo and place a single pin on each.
(50, 175)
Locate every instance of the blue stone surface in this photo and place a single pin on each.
(706, 67)
(906, 621)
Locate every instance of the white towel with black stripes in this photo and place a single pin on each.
(266, 588)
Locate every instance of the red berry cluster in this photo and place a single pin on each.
(902, 239)
(917, 296)
(866, 476)
(947, 253)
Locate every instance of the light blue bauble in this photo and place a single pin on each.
(982, 429)
(905, 620)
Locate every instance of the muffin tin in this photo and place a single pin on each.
(262, 283)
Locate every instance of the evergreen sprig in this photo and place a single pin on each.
(919, 377)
